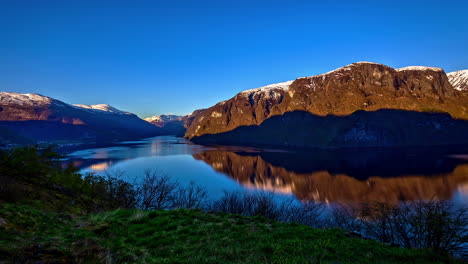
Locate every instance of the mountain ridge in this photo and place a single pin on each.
(359, 86)
(44, 119)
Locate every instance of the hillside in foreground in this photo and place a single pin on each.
(182, 236)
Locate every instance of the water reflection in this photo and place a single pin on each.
(325, 176)
(346, 177)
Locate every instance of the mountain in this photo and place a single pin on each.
(38, 118)
(324, 110)
(173, 124)
(459, 79)
(161, 120)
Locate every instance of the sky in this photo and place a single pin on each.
(156, 57)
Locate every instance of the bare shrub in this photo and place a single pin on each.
(231, 202)
(378, 220)
(306, 213)
(249, 204)
(269, 206)
(261, 204)
(437, 225)
(191, 197)
(345, 217)
(433, 224)
(156, 191)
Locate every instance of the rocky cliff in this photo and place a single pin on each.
(359, 86)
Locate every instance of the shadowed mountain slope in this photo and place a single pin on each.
(40, 118)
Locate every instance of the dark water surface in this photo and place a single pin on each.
(345, 176)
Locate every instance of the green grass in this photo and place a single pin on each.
(183, 236)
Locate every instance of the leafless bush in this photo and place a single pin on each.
(433, 224)
(246, 204)
(191, 197)
(261, 204)
(346, 217)
(379, 220)
(269, 206)
(156, 191)
(307, 213)
(437, 225)
(231, 203)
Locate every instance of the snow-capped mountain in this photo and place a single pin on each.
(341, 92)
(173, 124)
(459, 79)
(161, 120)
(42, 118)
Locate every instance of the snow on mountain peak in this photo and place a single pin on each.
(267, 91)
(24, 99)
(161, 118)
(459, 79)
(420, 68)
(346, 68)
(102, 107)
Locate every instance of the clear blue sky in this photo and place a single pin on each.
(153, 57)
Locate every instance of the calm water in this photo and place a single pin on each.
(325, 176)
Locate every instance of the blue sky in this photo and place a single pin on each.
(154, 57)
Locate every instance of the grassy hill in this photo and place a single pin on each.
(182, 236)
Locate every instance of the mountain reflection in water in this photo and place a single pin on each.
(346, 176)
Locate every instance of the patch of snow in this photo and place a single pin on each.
(216, 114)
(420, 68)
(459, 79)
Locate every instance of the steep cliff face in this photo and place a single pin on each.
(359, 86)
(41, 118)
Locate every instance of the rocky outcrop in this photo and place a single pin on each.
(459, 80)
(359, 86)
(41, 118)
